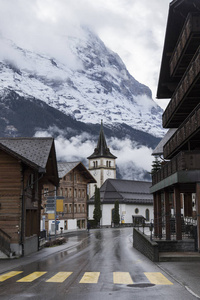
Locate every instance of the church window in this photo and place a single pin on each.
(136, 210)
(147, 214)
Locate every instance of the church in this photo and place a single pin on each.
(133, 196)
(101, 163)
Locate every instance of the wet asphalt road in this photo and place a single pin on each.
(104, 266)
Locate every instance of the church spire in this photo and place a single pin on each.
(102, 149)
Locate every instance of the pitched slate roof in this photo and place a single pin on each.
(34, 151)
(66, 167)
(102, 149)
(125, 191)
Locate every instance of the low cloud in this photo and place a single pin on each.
(133, 161)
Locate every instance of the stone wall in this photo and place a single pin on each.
(142, 243)
(176, 246)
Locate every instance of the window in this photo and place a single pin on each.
(66, 206)
(136, 210)
(46, 191)
(75, 193)
(79, 193)
(79, 208)
(75, 208)
(70, 208)
(95, 164)
(83, 193)
(70, 192)
(66, 192)
(147, 214)
(83, 208)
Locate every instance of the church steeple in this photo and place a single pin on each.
(102, 149)
(101, 163)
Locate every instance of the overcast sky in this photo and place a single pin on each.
(134, 29)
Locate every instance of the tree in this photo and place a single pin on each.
(97, 214)
(156, 165)
(116, 217)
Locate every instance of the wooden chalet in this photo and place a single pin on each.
(176, 186)
(25, 165)
(73, 180)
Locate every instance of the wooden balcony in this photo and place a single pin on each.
(186, 46)
(186, 96)
(186, 161)
(187, 136)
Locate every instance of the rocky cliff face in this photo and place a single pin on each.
(69, 96)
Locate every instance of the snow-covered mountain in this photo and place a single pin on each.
(73, 92)
(94, 85)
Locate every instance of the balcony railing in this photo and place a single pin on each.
(187, 160)
(192, 26)
(188, 128)
(184, 87)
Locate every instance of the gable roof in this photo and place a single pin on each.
(102, 149)
(66, 167)
(34, 152)
(125, 191)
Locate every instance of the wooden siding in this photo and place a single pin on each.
(10, 196)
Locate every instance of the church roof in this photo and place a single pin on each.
(125, 191)
(102, 149)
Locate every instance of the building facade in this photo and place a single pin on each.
(26, 164)
(102, 163)
(134, 199)
(73, 181)
(176, 186)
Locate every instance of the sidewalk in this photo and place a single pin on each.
(9, 264)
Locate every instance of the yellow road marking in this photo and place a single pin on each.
(59, 277)
(9, 275)
(122, 278)
(33, 276)
(157, 278)
(90, 277)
